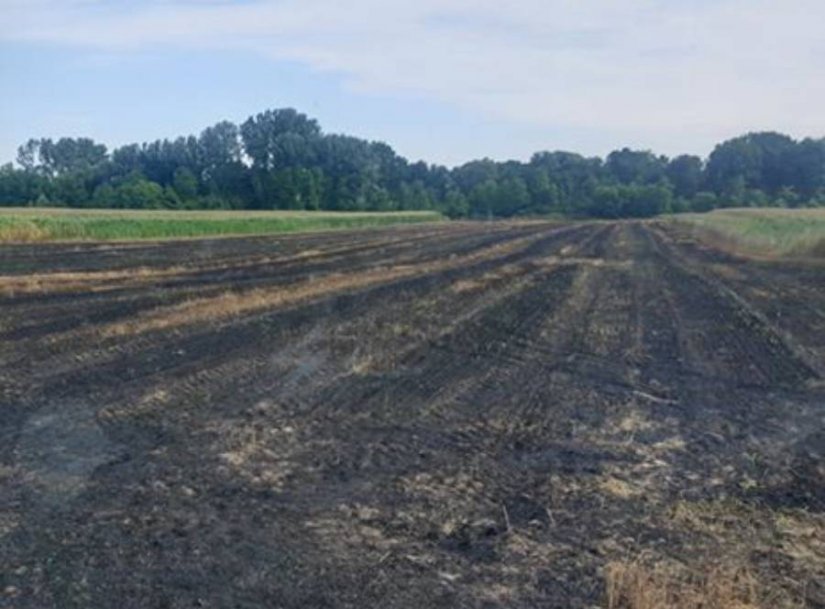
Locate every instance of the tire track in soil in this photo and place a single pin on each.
(745, 424)
(88, 256)
(457, 429)
(538, 247)
(116, 302)
(145, 361)
(230, 342)
(510, 390)
(498, 457)
(758, 396)
(747, 350)
(785, 295)
(30, 350)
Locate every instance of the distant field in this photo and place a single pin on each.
(41, 224)
(781, 232)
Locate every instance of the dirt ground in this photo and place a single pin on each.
(452, 415)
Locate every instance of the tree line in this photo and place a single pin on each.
(281, 159)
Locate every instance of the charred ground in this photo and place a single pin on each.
(456, 415)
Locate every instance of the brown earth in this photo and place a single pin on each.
(456, 415)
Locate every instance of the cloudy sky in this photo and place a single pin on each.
(443, 80)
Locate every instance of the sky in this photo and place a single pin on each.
(446, 81)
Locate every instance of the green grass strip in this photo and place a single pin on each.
(784, 232)
(23, 225)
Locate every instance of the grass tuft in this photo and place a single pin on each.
(633, 585)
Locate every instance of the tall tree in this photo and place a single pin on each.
(278, 139)
(685, 174)
(636, 166)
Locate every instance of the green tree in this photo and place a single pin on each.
(66, 155)
(185, 184)
(219, 146)
(704, 201)
(685, 173)
(635, 166)
(136, 192)
(279, 139)
(456, 204)
(70, 190)
(20, 187)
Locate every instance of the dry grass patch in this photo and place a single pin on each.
(442, 488)
(794, 537)
(634, 585)
(364, 365)
(802, 537)
(232, 304)
(674, 443)
(472, 285)
(40, 283)
(23, 232)
(99, 281)
(619, 488)
(634, 422)
(150, 401)
(553, 261)
(352, 527)
(260, 453)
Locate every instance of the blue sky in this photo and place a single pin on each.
(443, 80)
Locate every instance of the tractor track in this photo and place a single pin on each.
(484, 415)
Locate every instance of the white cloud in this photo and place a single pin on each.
(666, 73)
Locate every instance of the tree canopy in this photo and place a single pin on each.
(282, 159)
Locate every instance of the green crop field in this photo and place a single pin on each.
(50, 224)
(781, 232)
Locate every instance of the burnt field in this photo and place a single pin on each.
(450, 415)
